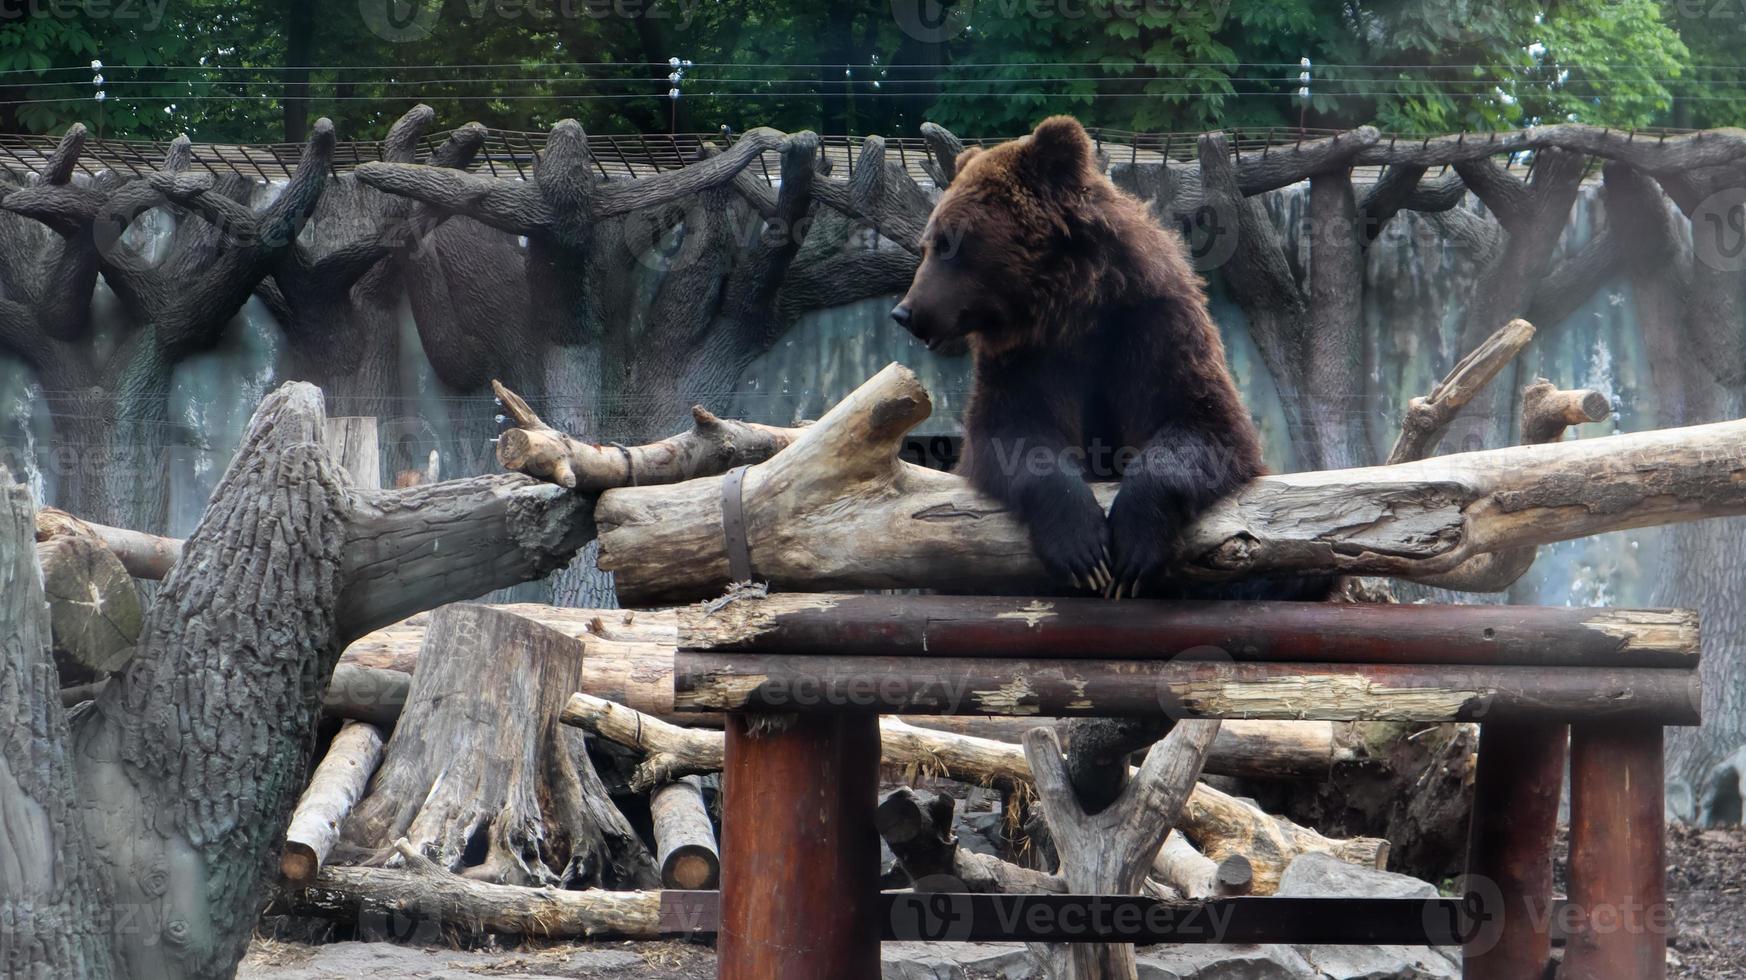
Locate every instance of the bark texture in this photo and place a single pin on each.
(56, 919)
(514, 802)
(910, 527)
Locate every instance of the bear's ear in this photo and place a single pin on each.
(965, 155)
(1059, 151)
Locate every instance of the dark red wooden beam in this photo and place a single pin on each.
(1182, 688)
(974, 626)
(1619, 915)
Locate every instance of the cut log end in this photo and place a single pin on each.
(299, 865)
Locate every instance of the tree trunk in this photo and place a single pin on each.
(55, 919)
(506, 802)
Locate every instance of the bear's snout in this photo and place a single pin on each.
(901, 313)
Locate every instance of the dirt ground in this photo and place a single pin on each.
(1707, 885)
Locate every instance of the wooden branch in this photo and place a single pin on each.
(424, 890)
(1546, 412)
(336, 785)
(684, 838)
(671, 752)
(143, 555)
(838, 511)
(1428, 417)
(1110, 851)
(712, 445)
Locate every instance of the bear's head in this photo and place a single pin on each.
(1009, 245)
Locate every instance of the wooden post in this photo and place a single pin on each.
(1515, 816)
(800, 853)
(1619, 919)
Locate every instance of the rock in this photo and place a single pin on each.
(1195, 962)
(1379, 963)
(1326, 876)
(957, 961)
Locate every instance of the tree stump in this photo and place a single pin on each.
(480, 775)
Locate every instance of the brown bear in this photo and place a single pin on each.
(1094, 357)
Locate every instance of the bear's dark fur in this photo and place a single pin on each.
(1094, 357)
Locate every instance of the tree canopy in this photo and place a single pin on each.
(249, 70)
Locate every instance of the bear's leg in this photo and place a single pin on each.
(1041, 477)
(1180, 472)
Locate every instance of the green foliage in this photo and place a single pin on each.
(220, 71)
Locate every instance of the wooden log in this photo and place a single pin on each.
(638, 673)
(144, 555)
(919, 833)
(422, 890)
(94, 609)
(914, 528)
(800, 853)
(1183, 868)
(627, 662)
(711, 445)
(1515, 817)
(336, 785)
(1272, 632)
(1110, 851)
(670, 751)
(1219, 823)
(515, 801)
(1618, 861)
(1244, 748)
(1183, 689)
(1222, 825)
(685, 845)
(1234, 878)
(367, 694)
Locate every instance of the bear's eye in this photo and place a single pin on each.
(946, 246)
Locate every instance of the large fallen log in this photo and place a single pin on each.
(1219, 823)
(423, 891)
(839, 511)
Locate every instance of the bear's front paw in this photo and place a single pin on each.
(1143, 546)
(1073, 543)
